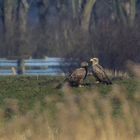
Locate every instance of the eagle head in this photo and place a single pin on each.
(94, 61)
(84, 64)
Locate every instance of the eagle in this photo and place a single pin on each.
(77, 77)
(99, 73)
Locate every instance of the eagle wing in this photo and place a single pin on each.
(75, 78)
(100, 74)
(78, 74)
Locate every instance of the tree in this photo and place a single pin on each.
(8, 24)
(22, 26)
(86, 14)
(42, 6)
(125, 11)
(82, 10)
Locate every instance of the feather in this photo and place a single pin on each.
(77, 77)
(99, 72)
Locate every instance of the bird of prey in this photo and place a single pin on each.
(98, 72)
(77, 77)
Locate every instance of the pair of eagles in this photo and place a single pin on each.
(78, 76)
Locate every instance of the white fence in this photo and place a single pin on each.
(49, 66)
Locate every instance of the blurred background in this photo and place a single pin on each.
(108, 29)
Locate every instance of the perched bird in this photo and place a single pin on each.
(77, 77)
(98, 72)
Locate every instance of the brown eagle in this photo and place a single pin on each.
(77, 77)
(98, 72)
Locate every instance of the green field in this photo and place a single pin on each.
(30, 101)
(28, 90)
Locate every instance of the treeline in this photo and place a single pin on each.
(108, 29)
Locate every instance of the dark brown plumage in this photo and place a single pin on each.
(99, 73)
(77, 77)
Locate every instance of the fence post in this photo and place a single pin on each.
(20, 66)
(14, 72)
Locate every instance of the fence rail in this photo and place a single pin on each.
(49, 66)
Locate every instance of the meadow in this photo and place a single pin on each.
(32, 108)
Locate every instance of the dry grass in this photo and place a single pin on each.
(88, 116)
(116, 74)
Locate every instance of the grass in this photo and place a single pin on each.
(30, 89)
(31, 108)
(27, 89)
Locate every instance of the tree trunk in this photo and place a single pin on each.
(132, 12)
(85, 21)
(76, 8)
(42, 6)
(8, 22)
(125, 11)
(23, 31)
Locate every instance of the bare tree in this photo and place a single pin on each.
(82, 10)
(86, 15)
(22, 49)
(8, 24)
(42, 6)
(125, 11)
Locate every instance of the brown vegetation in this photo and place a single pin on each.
(88, 116)
(83, 116)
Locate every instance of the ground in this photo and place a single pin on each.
(31, 89)
(33, 108)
